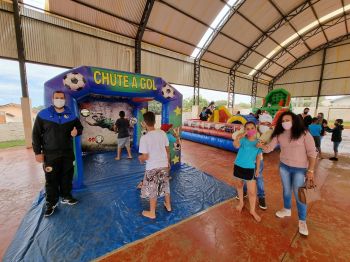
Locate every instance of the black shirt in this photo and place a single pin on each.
(122, 125)
(307, 120)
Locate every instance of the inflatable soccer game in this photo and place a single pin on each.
(97, 95)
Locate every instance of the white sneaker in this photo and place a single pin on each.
(284, 213)
(303, 228)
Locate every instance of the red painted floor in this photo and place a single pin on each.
(220, 233)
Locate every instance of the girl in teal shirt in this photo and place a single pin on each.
(247, 165)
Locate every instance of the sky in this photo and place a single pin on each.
(37, 75)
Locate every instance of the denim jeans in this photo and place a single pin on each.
(293, 178)
(259, 182)
(335, 146)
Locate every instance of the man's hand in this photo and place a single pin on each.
(74, 132)
(39, 158)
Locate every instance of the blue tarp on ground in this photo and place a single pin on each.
(108, 215)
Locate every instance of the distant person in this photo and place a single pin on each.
(315, 130)
(257, 114)
(122, 128)
(154, 150)
(53, 133)
(297, 161)
(336, 136)
(238, 112)
(203, 115)
(305, 117)
(322, 122)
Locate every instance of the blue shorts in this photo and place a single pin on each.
(335, 146)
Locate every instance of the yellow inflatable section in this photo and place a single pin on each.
(237, 118)
(215, 117)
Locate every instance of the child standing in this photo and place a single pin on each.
(154, 149)
(336, 136)
(315, 130)
(122, 127)
(247, 166)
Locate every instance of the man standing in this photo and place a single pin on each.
(53, 133)
(305, 117)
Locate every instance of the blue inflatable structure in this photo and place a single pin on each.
(82, 83)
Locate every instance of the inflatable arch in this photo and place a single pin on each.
(83, 83)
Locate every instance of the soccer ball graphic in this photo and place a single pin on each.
(168, 92)
(99, 139)
(177, 146)
(133, 121)
(74, 81)
(143, 132)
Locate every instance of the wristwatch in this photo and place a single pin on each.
(310, 171)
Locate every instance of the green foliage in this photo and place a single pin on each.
(188, 103)
(221, 103)
(7, 144)
(155, 107)
(244, 105)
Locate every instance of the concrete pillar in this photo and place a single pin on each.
(27, 120)
(195, 111)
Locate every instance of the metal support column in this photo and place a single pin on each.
(321, 78)
(231, 90)
(196, 82)
(254, 91)
(25, 100)
(20, 48)
(270, 88)
(139, 35)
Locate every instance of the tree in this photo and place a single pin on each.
(221, 103)
(188, 103)
(244, 105)
(155, 107)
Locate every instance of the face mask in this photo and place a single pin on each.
(263, 129)
(59, 103)
(251, 132)
(306, 112)
(287, 125)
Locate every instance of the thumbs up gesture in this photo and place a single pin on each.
(74, 132)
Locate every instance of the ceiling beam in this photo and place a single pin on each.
(313, 51)
(139, 35)
(281, 22)
(290, 24)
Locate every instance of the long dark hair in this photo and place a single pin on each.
(298, 128)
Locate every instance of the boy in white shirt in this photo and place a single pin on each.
(154, 149)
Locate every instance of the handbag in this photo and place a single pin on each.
(309, 192)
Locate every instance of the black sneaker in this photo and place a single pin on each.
(333, 159)
(262, 203)
(245, 195)
(50, 209)
(69, 201)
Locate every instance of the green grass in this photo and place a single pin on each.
(7, 144)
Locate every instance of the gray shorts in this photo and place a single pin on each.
(123, 142)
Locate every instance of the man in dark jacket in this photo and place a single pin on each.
(305, 117)
(53, 133)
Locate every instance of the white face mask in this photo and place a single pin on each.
(287, 125)
(263, 129)
(59, 103)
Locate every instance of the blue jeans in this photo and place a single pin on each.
(259, 182)
(293, 178)
(335, 146)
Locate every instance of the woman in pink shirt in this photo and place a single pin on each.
(297, 161)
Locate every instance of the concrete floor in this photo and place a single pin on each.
(220, 233)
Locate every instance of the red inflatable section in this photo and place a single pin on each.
(278, 113)
(223, 130)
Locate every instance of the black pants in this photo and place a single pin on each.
(59, 176)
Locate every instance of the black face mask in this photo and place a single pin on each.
(306, 112)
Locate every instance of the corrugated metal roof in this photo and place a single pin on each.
(258, 32)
